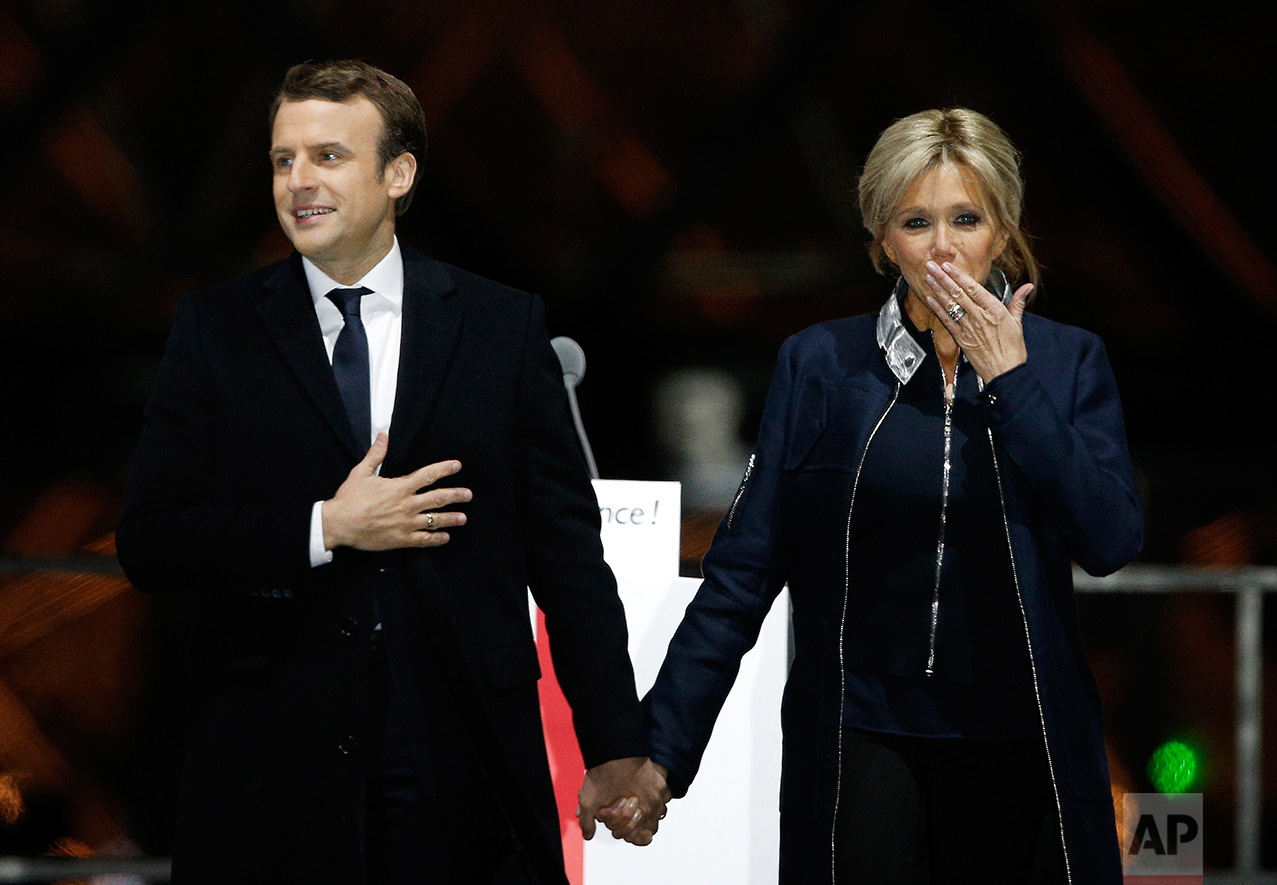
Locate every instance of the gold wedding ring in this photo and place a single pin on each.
(430, 522)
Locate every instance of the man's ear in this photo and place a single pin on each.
(401, 172)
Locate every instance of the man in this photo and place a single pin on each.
(364, 672)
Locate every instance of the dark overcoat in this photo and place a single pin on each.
(1068, 495)
(246, 430)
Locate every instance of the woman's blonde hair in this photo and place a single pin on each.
(914, 145)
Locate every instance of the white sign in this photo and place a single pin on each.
(741, 767)
(641, 523)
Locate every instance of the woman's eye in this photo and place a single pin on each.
(968, 219)
(915, 223)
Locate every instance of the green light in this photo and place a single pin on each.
(1173, 767)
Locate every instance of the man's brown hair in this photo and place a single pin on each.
(404, 124)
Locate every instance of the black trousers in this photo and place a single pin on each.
(431, 815)
(926, 811)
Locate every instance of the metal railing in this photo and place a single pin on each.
(98, 870)
(74, 564)
(1248, 586)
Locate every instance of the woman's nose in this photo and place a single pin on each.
(942, 242)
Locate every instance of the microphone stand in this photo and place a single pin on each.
(572, 360)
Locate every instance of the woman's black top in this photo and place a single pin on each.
(902, 525)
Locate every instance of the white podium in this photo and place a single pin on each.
(726, 830)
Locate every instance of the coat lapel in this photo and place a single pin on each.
(289, 315)
(431, 330)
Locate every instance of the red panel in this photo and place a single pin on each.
(567, 768)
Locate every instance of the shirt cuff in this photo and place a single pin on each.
(318, 554)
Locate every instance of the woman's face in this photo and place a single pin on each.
(943, 217)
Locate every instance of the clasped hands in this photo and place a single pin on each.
(627, 795)
(371, 512)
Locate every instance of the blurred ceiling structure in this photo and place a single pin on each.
(676, 178)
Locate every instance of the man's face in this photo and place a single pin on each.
(331, 195)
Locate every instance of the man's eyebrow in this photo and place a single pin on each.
(325, 146)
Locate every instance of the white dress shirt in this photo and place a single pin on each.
(382, 315)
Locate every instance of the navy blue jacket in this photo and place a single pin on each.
(1068, 495)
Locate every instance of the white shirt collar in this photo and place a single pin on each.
(386, 279)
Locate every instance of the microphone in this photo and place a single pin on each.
(571, 358)
(572, 361)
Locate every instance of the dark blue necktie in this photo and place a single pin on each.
(350, 363)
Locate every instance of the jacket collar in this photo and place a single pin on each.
(289, 314)
(431, 328)
(899, 348)
(432, 321)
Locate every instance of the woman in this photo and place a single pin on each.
(923, 480)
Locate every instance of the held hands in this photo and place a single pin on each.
(369, 512)
(627, 795)
(990, 334)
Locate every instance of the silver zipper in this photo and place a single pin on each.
(1037, 696)
(842, 626)
(740, 492)
(944, 513)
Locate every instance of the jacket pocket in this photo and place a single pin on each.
(511, 665)
(807, 424)
(831, 421)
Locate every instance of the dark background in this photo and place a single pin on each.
(677, 179)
